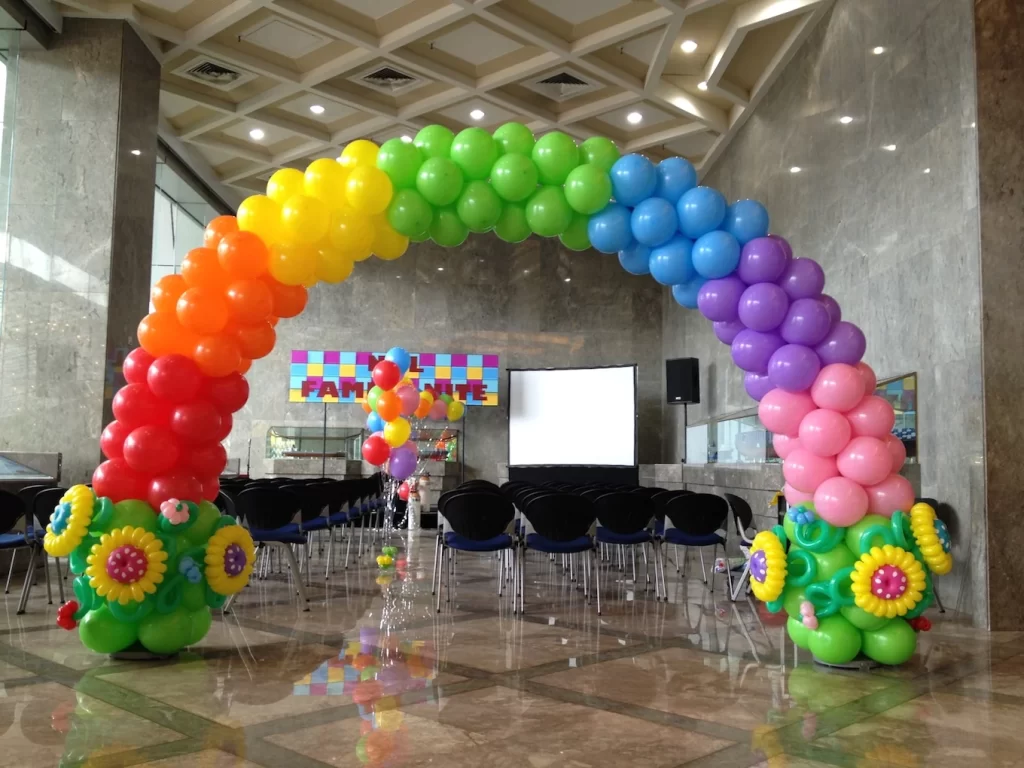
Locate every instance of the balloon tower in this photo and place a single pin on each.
(149, 550)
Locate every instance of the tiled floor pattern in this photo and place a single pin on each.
(373, 675)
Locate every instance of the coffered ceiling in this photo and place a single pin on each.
(250, 86)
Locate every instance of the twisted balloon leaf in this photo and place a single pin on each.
(801, 568)
(130, 615)
(818, 536)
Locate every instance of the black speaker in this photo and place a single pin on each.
(682, 381)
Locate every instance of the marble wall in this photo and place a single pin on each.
(535, 304)
(77, 255)
(895, 229)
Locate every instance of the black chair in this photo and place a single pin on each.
(698, 520)
(479, 485)
(442, 502)
(743, 521)
(625, 519)
(562, 525)
(12, 512)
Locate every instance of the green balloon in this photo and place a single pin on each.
(447, 399)
(202, 529)
(474, 151)
(514, 177)
(99, 631)
(588, 189)
(193, 596)
(422, 237)
(790, 528)
(514, 138)
(434, 141)
(479, 206)
(547, 213)
(166, 633)
(861, 619)
(201, 621)
(372, 397)
(447, 228)
(853, 533)
(798, 633)
(439, 180)
(599, 151)
(512, 226)
(408, 213)
(575, 238)
(555, 154)
(836, 641)
(834, 560)
(792, 597)
(132, 512)
(892, 644)
(400, 160)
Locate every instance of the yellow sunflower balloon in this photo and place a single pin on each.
(932, 539)
(126, 565)
(70, 521)
(887, 581)
(229, 559)
(767, 566)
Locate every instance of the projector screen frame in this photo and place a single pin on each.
(636, 415)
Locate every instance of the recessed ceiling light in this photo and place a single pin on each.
(927, 170)
(795, 169)
(889, 147)
(634, 118)
(878, 50)
(406, 139)
(440, 269)
(136, 152)
(688, 46)
(257, 134)
(845, 119)
(477, 114)
(568, 279)
(317, 109)
(702, 86)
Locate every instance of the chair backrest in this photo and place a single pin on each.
(593, 493)
(560, 516)
(225, 504)
(741, 513)
(266, 509)
(311, 497)
(12, 511)
(29, 492)
(478, 515)
(44, 503)
(698, 514)
(662, 499)
(624, 512)
(647, 491)
(479, 484)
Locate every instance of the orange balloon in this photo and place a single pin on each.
(218, 355)
(160, 333)
(242, 255)
(256, 341)
(366, 406)
(201, 268)
(273, 320)
(167, 291)
(249, 301)
(217, 229)
(422, 409)
(389, 405)
(203, 310)
(289, 300)
(245, 366)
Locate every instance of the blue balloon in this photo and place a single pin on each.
(701, 210)
(716, 254)
(609, 230)
(635, 259)
(671, 263)
(686, 293)
(374, 423)
(746, 220)
(399, 357)
(675, 177)
(654, 221)
(633, 179)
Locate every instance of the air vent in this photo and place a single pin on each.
(562, 85)
(213, 73)
(388, 80)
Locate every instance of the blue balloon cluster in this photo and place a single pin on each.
(662, 224)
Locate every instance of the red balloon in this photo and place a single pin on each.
(207, 461)
(117, 481)
(196, 422)
(375, 450)
(183, 486)
(403, 491)
(211, 487)
(386, 374)
(229, 393)
(135, 366)
(226, 423)
(112, 440)
(151, 450)
(174, 378)
(135, 406)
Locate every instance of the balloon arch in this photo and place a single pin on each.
(152, 555)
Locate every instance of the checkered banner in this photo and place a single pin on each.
(328, 376)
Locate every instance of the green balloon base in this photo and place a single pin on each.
(139, 652)
(860, 664)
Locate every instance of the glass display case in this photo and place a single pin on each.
(439, 445)
(314, 442)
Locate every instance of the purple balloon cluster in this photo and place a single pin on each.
(781, 327)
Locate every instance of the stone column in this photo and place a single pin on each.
(80, 236)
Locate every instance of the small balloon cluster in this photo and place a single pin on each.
(390, 404)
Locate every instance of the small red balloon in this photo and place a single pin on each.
(403, 491)
(196, 423)
(151, 450)
(207, 460)
(135, 406)
(174, 378)
(117, 481)
(375, 450)
(229, 393)
(135, 366)
(112, 440)
(211, 487)
(183, 486)
(386, 375)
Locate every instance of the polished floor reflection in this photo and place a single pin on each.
(373, 675)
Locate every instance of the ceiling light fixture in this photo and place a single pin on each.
(795, 169)
(845, 119)
(257, 134)
(440, 269)
(568, 279)
(702, 86)
(878, 50)
(927, 170)
(889, 147)
(477, 114)
(136, 152)
(317, 109)
(634, 118)
(688, 46)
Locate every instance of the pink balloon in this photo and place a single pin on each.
(839, 387)
(868, 374)
(805, 471)
(865, 460)
(781, 412)
(840, 501)
(410, 399)
(439, 410)
(895, 492)
(871, 417)
(784, 445)
(824, 432)
(794, 497)
(897, 451)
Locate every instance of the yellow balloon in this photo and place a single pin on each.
(352, 234)
(368, 189)
(388, 244)
(261, 216)
(389, 720)
(284, 184)
(292, 265)
(325, 180)
(304, 220)
(397, 432)
(332, 266)
(427, 395)
(359, 152)
(455, 410)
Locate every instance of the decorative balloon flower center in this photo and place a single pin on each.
(888, 582)
(175, 511)
(943, 533)
(759, 566)
(234, 560)
(60, 518)
(127, 564)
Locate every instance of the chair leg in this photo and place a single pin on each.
(703, 567)
(10, 571)
(433, 578)
(938, 600)
(297, 575)
(348, 544)
(60, 580)
(440, 576)
(27, 586)
(330, 554)
(737, 586)
(46, 576)
(597, 585)
(359, 549)
(661, 567)
(229, 603)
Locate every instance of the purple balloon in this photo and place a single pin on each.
(726, 330)
(807, 322)
(757, 386)
(834, 312)
(763, 260)
(402, 462)
(763, 306)
(784, 244)
(719, 299)
(803, 279)
(844, 344)
(751, 350)
(794, 368)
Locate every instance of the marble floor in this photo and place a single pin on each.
(373, 675)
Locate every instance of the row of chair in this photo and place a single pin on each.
(23, 519)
